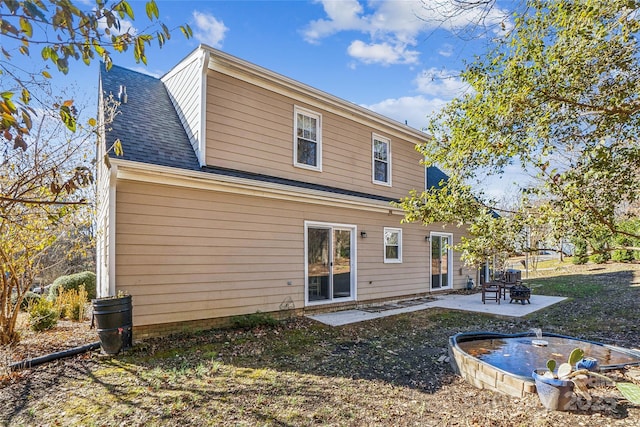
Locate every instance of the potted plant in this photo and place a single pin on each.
(556, 388)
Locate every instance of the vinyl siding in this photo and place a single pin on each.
(186, 254)
(251, 128)
(103, 219)
(184, 88)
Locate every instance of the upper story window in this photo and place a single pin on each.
(381, 160)
(392, 244)
(307, 144)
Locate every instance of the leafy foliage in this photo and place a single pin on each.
(30, 298)
(33, 214)
(65, 32)
(85, 280)
(249, 321)
(624, 244)
(580, 253)
(43, 315)
(557, 96)
(45, 175)
(71, 303)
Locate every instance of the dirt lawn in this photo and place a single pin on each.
(392, 371)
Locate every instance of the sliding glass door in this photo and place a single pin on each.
(441, 262)
(330, 264)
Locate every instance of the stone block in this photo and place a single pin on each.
(511, 389)
(489, 379)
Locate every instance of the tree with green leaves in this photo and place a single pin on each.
(63, 32)
(558, 95)
(44, 188)
(45, 167)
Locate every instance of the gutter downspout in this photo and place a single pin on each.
(30, 363)
(113, 179)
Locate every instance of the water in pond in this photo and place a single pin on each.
(519, 356)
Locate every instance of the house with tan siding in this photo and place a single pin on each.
(240, 190)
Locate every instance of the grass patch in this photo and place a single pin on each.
(391, 371)
(569, 287)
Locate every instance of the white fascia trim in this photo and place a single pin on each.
(112, 229)
(203, 109)
(193, 56)
(201, 56)
(142, 172)
(235, 67)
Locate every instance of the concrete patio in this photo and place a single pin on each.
(470, 302)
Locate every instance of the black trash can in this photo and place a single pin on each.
(114, 321)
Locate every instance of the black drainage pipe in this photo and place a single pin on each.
(29, 363)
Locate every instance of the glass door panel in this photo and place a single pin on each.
(436, 250)
(341, 263)
(330, 269)
(319, 264)
(440, 261)
(444, 262)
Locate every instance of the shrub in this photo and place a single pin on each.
(71, 303)
(599, 258)
(580, 252)
(43, 315)
(73, 281)
(601, 248)
(622, 255)
(626, 255)
(249, 321)
(30, 298)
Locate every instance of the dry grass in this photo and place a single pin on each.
(391, 371)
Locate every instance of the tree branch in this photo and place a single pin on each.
(41, 202)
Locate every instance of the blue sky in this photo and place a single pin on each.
(394, 57)
(399, 58)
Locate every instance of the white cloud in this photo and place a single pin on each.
(343, 15)
(208, 29)
(440, 83)
(446, 50)
(125, 27)
(436, 87)
(382, 53)
(413, 110)
(394, 25)
(395, 19)
(144, 70)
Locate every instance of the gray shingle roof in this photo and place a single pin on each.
(434, 176)
(293, 183)
(148, 125)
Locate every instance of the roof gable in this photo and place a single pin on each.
(148, 125)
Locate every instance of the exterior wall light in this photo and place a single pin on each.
(363, 234)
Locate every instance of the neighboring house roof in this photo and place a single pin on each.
(435, 176)
(148, 125)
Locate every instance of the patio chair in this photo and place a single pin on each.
(491, 292)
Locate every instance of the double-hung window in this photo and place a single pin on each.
(381, 160)
(392, 245)
(307, 144)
